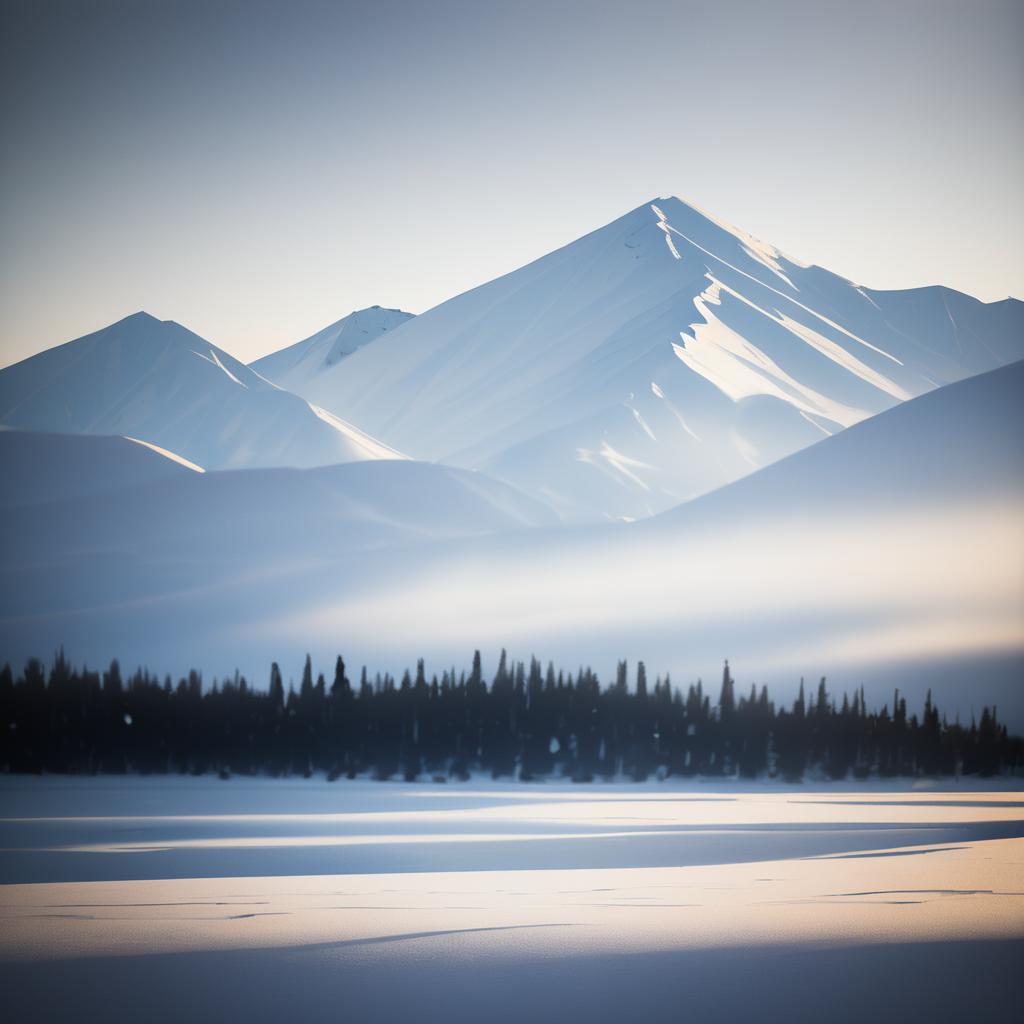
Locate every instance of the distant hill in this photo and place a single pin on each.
(156, 381)
(36, 467)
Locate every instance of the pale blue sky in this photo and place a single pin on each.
(257, 170)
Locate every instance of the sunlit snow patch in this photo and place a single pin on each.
(642, 423)
(215, 359)
(739, 369)
(370, 447)
(617, 461)
(166, 454)
(767, 255)
(658, 393)
(663, 224)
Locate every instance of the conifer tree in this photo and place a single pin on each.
(726, 699)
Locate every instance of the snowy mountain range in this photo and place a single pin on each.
(654, 360)
(645, 364)
(156, 381)
(830, 478)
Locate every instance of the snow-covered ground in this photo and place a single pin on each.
(200, 899)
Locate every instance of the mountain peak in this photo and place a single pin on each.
(140, 317)
(298, 364)
(655, 358)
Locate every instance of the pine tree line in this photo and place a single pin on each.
(527, 722)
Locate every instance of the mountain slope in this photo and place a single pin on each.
(297, 366)
(654, 360)
(158, 382)
(960, 444)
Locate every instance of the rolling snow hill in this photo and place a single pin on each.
(654, 360)
(296, 367)
(133, 523)
(158, 382)
(37, 468)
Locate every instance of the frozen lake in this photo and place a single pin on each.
(177, 899)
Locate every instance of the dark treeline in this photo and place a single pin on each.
(526, 722)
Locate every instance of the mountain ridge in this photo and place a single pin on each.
(655, 359)
(650, 361)
(158, 382)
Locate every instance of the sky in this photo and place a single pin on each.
(258, 170)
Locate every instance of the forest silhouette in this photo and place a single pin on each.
(527, 722)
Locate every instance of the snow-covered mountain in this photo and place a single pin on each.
(642, 365)
(888, 554)
(296, 367)
(654, 360)
(155, 381)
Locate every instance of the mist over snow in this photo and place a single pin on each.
(889, 553)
